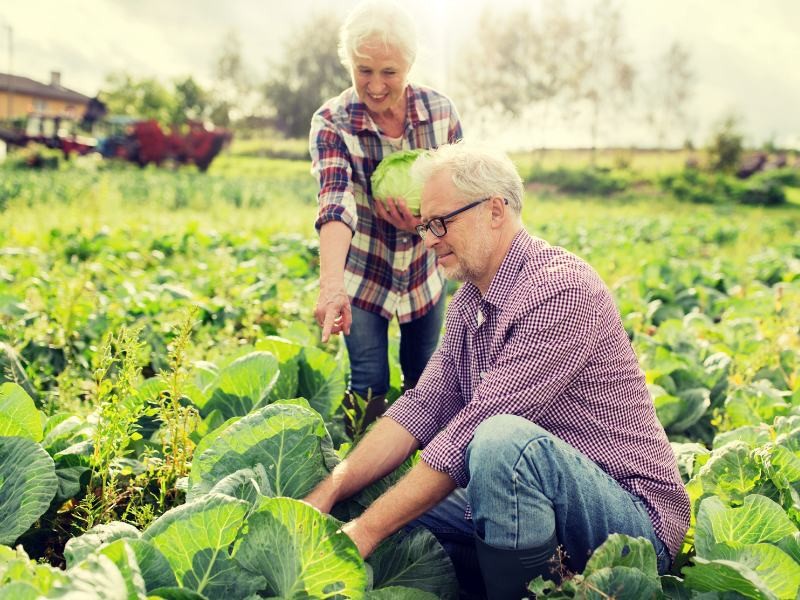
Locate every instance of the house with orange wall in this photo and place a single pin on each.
(20, 96)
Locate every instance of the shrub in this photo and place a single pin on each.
(763, 190)
(725, 148)
(692, 185)
(589, 181)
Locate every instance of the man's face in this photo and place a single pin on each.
(464, 252)
(379, 76)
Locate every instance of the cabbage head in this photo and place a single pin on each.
(392, 179)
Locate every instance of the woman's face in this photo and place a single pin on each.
(379, 76)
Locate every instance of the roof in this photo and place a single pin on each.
(26, 85)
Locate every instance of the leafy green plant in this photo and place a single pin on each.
(392, 179)
(178, 418)
(622, 567)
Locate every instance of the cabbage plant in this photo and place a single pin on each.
(392, 179)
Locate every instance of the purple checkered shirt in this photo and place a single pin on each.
(547, 343)
(388, 271)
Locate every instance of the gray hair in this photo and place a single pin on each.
(377, 20)
(476, 171)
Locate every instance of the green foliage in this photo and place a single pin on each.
(27, 485)
(18, 414)
(736, 551)
(726, 145)
(144, 98)
(595, 181)
(695, 186)
(414, 560)
(86, 256)
(622, 567)
(300, 552)
(196, 538)
(289, 440)
(309, 74)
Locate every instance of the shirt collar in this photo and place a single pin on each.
(416, 111)
(504, 281)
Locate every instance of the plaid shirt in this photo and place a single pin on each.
(387, 271)
(546, 343)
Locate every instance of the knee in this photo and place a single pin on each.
(499, 440)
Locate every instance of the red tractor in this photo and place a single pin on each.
(137, 140)
(145, 142)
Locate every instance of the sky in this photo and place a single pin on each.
(744, 54)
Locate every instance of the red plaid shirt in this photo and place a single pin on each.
(546, 343)
(388, 271)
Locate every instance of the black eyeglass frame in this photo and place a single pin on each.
(423, 228)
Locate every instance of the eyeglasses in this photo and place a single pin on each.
(437, 225)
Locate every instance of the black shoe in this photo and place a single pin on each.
(506, 572)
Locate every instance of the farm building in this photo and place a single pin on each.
(20, 96)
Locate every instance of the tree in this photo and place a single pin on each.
(727, 144)
(191, 101)
(604, 77)
(230, 95)
(518, 61)
(144, 98)
(309, 74)
(670, 93)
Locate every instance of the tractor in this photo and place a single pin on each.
(145, 142)
(142, 141)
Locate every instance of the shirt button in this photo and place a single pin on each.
(483, 375)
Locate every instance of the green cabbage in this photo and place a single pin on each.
(392, 179)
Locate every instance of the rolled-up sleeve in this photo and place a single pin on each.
(330, 166)
(544, 350)
(432, 403)
(454, 132)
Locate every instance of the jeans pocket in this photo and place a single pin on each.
(663, 559)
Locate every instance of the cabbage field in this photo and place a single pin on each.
(165, 401)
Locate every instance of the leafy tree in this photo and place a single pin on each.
(727, 145)
(191, 101)
(518, 61)
(233, 82)
(604, 76)
(309, 74)
(144, 98)
(670, 93)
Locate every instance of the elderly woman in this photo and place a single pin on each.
(372, 265)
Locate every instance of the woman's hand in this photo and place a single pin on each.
(396, 212)
(333, 312)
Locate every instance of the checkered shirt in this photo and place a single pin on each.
(388, 271)
(547, 343)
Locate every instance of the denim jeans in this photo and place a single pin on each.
(526, 483)
(368, 348)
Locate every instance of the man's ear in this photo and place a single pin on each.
(498, 207)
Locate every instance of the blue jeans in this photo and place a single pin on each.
(368, 348)
(525, 484)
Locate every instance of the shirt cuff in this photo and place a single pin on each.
(335, 212)
(443, 455)
(407, 413)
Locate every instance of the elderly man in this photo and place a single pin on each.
(536, 425)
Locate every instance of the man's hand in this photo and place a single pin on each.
(333, 313)
(396, 212)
